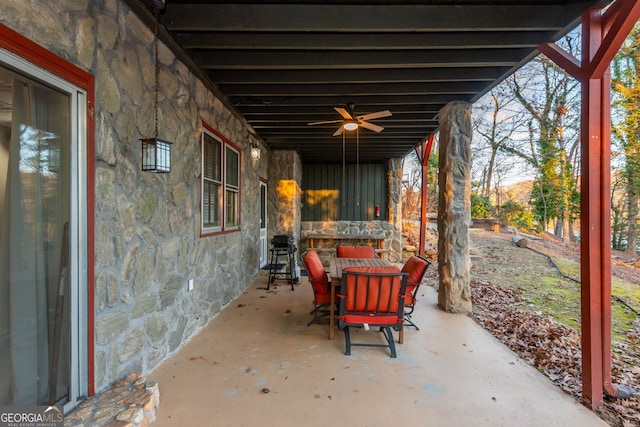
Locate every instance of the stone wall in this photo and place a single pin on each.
(391, 229)
(147, 226)
(393, 236)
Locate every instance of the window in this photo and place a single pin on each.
(232, 187)
(220, 183)
(211, 181)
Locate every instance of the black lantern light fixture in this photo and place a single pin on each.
(156, 153)
(255, 150)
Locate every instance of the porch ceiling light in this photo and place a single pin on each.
(350, 125)
(156, 153)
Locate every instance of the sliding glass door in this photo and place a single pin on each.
(39, 223)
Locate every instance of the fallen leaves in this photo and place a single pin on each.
(553, 348)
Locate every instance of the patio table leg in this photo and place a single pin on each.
(335, 284)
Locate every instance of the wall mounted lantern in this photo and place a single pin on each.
(255, 153)
(156, 153)
(255, 150)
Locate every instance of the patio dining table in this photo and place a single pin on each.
(335, 275)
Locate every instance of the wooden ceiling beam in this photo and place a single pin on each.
(306, 60)
(418, 75)
(315, 41)
(367, 18)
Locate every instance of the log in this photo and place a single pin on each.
(519, 241)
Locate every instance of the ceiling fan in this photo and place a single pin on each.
(351, 122)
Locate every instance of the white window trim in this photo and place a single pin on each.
(230, 187)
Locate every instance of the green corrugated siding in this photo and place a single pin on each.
(327, 197)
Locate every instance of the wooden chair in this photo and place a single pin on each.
(320, 284)
(355, 252)
(416, 268)
(372, 297)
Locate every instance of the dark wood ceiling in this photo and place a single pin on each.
(283, 64)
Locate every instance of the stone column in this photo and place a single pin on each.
(284, 194)
(395, 193)
(454, 208)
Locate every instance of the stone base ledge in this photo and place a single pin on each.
(131, 402)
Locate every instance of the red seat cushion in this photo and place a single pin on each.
(317, 277)
(391, 269)
(416, 267)
(355, 252)
(366, 301)
(314, 266)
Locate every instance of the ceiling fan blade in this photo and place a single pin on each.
(371, 126)
(377, 115)
(325, 122)
(339, 131)
(344, 113)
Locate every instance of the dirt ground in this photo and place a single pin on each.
(490, 246)
(623, 265)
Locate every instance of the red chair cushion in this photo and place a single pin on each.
(314, 266)
(322, 297)
(355, 252)
(416, 267)
(317, 277)
(392, 269)
(409, 300)
(361, 301)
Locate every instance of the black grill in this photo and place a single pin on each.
(282, 241)
(283, 248)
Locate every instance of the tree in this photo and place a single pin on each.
(551, 99)
(496, 120)
(412, 192)
(626, 127)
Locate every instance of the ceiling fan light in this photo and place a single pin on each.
(350, 125)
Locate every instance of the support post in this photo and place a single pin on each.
(423, 156)
(602, 36)
(454, 208)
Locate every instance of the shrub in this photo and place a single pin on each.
(515, 214)
(480, 206)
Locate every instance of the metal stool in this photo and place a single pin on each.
(282, 246)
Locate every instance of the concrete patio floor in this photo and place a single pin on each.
(258, 364)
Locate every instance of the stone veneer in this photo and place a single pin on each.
(147, 226)
(393, 236)
(284, 194)
(131, 402)
(391, 229)
(454, 208)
